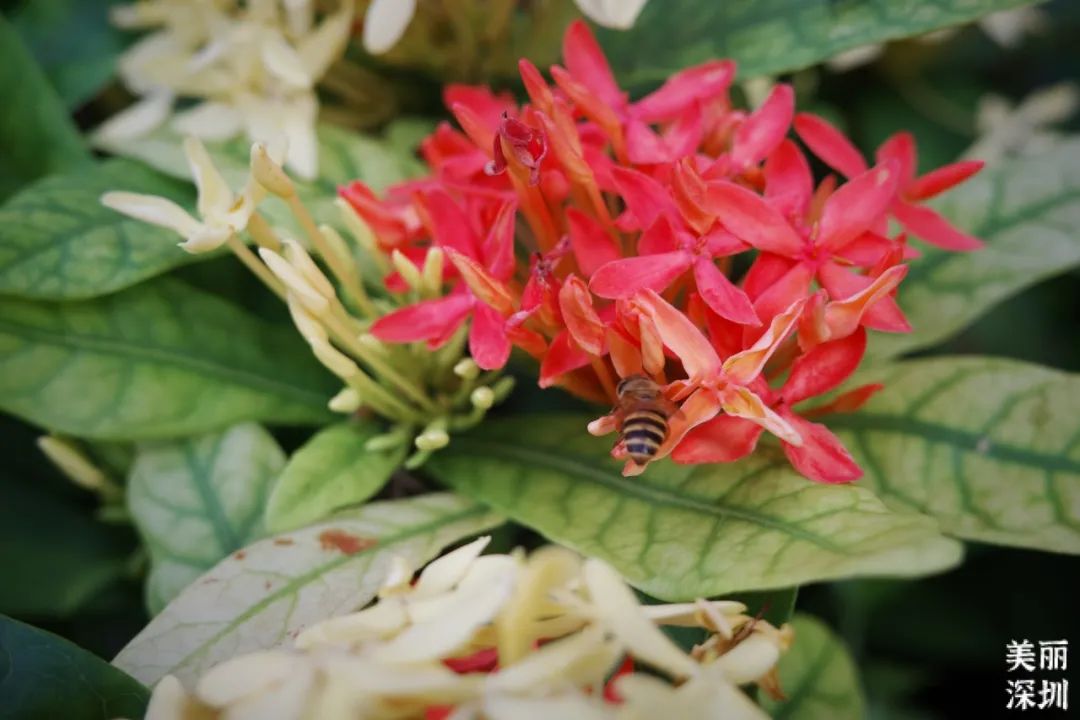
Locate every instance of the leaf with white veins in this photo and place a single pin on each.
(263, 595)
(197, 500)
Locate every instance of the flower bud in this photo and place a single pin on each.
(408, 270)
(310, 328)
(357, 227)
(334, 360)
(467, 369)
(73, 463)
(268, 173)
(308, 296)
(298, 256)
(433, 271)
(482, 398)
(346, 401)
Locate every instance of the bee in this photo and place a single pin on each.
(641, 416)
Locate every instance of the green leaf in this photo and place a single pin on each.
(55, 557)
(1027, 210)
(74, 42)
(36, 135)
(332, 470)
(681, 532)
(45, 676)
(197, 500)
(58, 242)
(265, 594)
(769, 37)
(158, 360)
(818, 676)
(990, 447)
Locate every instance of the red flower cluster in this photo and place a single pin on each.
(633, 215)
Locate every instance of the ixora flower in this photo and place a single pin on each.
(499, 637)
(632, 215)
(251, 66)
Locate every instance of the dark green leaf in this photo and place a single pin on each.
(58, 242)
(818, 676)
(43, 677)
(768, 37)
(158, 360)
(332, 470)
(74, 42)
(989, 447)
(1027, 210)
(55, 557)
(680, 532)
(36, 135)
(197, 500)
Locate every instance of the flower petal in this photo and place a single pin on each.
(792, 286)
(829, 144)
(938, 181)
(789, 183)
(901, 149)
(447, 222)
(824, 367)
(680, 335)
(745, 366)
(645, 198)
(484, 286)
(704, 83)
(154, 210)
(498, 246)
(721, 295)
(843, 316)
(215, 197)
(744, 403)
(620, 613)
(751, 218)
(385, 22)
(586, 62)
(763, 130)
(857, 206)
(725, 438)
(929, 226)
(619, 15)
(584, 325)
(424, 320)
(592, 245)
(488, 343)
(625, 356)
(821, 457)
(563, 355)
(623, 278)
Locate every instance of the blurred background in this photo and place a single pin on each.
(930, 648)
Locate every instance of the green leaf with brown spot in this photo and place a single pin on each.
(1027, 210)
(196, 500)
(681, 532)
(264, 595)
(155, 361)
(332, 470)
(990, 447)
(818, 676)
(58, 242)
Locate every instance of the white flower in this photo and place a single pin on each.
(222, 214)
(385, 22)
(617, 14)
(253, 66)
(387, 661)
(1005, 129)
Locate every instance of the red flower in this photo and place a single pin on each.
(604, 236)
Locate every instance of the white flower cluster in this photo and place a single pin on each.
(251, 66)
(558, 626)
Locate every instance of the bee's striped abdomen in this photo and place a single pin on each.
(643, 432)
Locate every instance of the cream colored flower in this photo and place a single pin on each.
(617, 14)
(1006, 129)
(387, 661)
(254, 66)
(222, 214)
